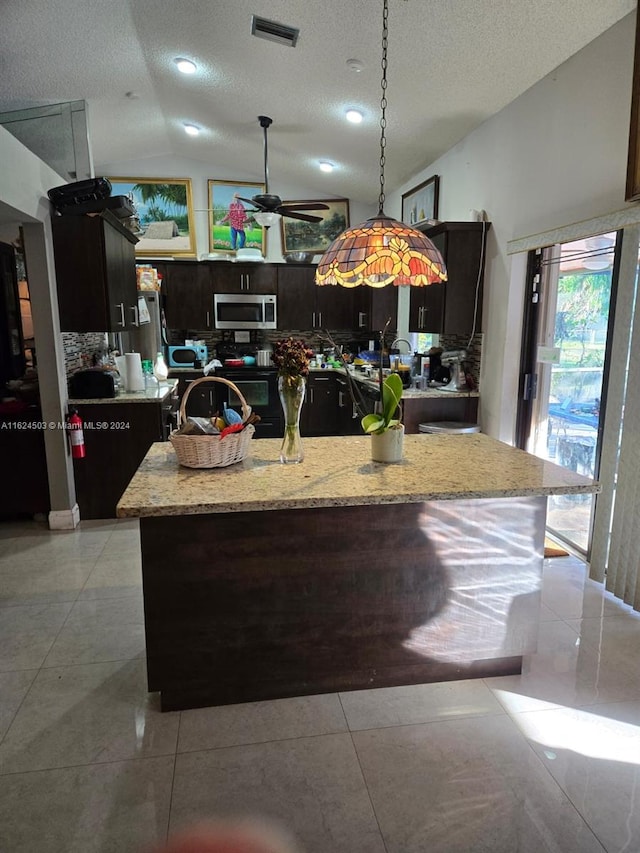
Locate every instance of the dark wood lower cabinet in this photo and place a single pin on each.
(432, 409)
(320, 415)
(245, 606)
(329, 409)
(117, 437)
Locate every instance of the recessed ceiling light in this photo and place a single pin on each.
(191, 129)
(355, 65)
(354, 116)
(325, 166)
(185, 65)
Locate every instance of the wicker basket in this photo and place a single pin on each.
(211, 451)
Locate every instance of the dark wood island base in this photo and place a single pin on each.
(244, 606)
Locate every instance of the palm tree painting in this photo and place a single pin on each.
(165, 213)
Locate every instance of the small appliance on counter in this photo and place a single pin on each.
(453, 360)
(188, 355)
(93, 384)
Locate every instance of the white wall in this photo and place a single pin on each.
(554, 156)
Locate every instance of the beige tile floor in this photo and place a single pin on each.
(545, 761)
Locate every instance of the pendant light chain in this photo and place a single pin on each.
(383, 101)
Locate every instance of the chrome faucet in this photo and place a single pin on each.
(401, 341)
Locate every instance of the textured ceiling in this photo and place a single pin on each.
(452, 65)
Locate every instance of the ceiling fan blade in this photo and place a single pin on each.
(291, 214)
(311, 205)
(250, 201)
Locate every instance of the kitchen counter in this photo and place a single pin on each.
(264, 580)
(337, 471)
(151, 395)
(407, 394)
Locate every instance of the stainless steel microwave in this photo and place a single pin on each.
(245, 311)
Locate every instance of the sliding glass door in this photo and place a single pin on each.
(564, 367)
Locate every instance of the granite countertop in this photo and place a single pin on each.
(338, 471)
(152, 395)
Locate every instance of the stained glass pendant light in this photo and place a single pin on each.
(381, 251)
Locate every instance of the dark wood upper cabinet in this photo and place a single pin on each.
(383, 305)
(95, 273)
(449, 308)
(304, 305)
(244, 278)
(188, 292)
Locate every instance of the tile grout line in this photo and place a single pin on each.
(564, 793)
(173, 778)
(364, 780)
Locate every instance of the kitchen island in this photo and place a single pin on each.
(264, 580)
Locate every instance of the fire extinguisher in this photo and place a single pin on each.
(76, 435)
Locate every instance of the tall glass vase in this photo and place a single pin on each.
(291, 390)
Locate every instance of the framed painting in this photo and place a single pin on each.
(231, 222)
(165, 210)
(299, 236)
(421, 203)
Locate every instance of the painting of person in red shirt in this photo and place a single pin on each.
(237, 218)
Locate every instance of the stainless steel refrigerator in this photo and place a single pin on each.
(149, 338)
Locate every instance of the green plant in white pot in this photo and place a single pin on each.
(386, 430)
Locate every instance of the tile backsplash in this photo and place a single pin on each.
(76, 345)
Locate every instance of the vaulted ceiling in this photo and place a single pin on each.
(452, 65)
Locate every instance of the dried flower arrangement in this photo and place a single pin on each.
(291, 356)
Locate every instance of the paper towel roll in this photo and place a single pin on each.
(135, 377)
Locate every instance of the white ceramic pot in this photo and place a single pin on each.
(387, 446)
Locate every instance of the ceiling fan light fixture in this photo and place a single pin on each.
(326, 166)
(186, 66)
(266, 218)
(381, 251)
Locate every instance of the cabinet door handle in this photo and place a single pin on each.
(313, 322)
(311, 389)
(341, 399)
(207, 319)
(320, 319)
(248, 281)
(136, 319)
(362, 319)
(122, 320)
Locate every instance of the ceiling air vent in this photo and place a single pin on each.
(264, 29)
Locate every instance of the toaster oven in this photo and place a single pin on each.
(187, 355)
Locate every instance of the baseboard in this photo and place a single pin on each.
(64, 519)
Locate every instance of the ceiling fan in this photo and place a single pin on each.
(269, 206)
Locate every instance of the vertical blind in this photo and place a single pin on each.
(615, 553)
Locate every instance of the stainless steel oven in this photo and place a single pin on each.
(259, 387)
